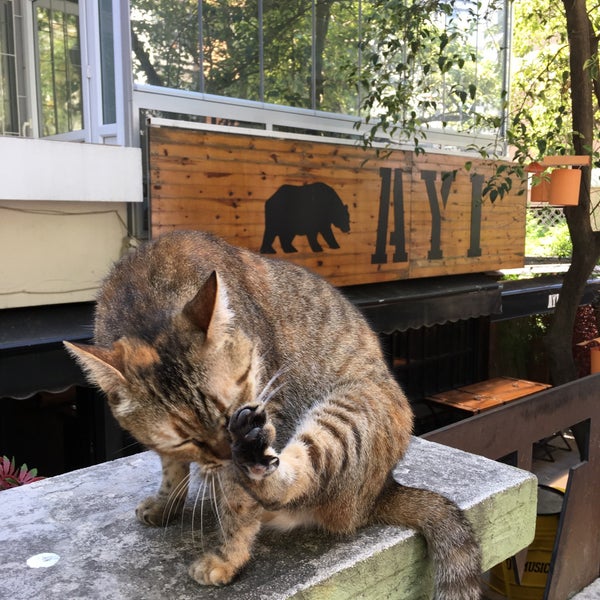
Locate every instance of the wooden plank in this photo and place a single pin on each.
(405, 220)
(576, 160)
(487, 394)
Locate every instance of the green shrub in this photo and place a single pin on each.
(547, 241)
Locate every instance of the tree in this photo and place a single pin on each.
(554, 109)
(433, 63)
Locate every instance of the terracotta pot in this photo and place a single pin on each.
(564, 187)
(540, 192)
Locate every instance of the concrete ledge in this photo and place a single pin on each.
(86, 520)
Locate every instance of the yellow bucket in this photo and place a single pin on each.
(539, 553)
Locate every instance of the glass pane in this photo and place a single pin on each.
(339, 26)
(218, 47)
(9, 118)
(166, 43)
(479, 41)
(107, 55)
(59, 66)
(230, 45)
(169, 45)
(288, 52)
(450, 75)
(296, 53)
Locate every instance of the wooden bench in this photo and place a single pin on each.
(84, 521)
(487, 394)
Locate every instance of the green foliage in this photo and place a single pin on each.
(547, 241)
(228, 50)
(431, 63)
(518, 348)
(556, 243)
(540, 122)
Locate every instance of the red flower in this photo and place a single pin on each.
(10, 476)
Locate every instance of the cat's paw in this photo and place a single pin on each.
(155, 513)
(252, 434)
(211, 569)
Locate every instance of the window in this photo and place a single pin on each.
(59, 76)
(287, 53)
(107, 61)
(58, 58)
(298, 53)
(10, 118)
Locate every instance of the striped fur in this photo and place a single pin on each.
(265, 376)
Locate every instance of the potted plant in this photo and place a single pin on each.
(12, 476)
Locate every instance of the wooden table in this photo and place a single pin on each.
(487, 394)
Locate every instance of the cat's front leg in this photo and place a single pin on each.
(168, 503)
(273, 479)
(240, 520)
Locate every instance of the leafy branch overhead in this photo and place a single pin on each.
(425, 67)
(432, 64)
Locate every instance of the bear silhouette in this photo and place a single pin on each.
(304, 210)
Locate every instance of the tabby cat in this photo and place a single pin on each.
(263, 373)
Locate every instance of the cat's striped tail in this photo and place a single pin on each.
(450, 539)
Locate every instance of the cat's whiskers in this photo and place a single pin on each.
(267, 393)
(216, 506)
(202, 487)
(120, 452)
(173, 501)
(223, 495)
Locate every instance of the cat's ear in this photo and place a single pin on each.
(103, 366)
(209, 309)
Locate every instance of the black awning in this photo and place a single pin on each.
(32, 357)
(414, 303)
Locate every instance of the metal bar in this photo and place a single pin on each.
(512, 430)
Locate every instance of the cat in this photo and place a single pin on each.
(265, 375)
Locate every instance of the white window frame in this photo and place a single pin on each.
(94, 129)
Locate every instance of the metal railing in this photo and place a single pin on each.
(509, 432)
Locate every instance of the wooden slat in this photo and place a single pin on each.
(488, 394)
(557, 161)
(220, 183)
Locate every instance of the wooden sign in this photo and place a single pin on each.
(334, 208)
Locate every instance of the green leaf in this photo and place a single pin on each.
(541, 145)
(443, 40)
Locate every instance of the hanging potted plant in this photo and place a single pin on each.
(539, 182)
(564, 186)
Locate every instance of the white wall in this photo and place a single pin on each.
(57, 252)
(52, 170)
(63, 215)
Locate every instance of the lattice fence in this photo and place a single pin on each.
(547, 216)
